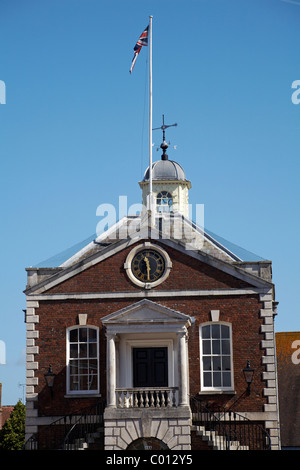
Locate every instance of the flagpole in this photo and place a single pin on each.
(150, 115)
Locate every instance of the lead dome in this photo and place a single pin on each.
(164, 170)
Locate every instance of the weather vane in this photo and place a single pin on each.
(164, 144)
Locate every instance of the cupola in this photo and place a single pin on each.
(169, 184)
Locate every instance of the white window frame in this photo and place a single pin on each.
(211, 388)
(68, 360)
(164, 206)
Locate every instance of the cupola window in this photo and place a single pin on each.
(164, 202)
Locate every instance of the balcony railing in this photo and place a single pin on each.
(148, 397)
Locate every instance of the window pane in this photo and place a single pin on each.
(74, 382)
(82, 350)
(74, 336)
(206, 331)
(92, 335)
(73, 367)
(207, 379)
(93, 350)
(226, 379)
(225, 331)
(94, 385)
(83, 382)
(226, 362)
(92, 382)
(73, 350)
(206, 363)
(215, 329)
(93, 366)
(217, 379)
(225, 346)
(216, 346)
(217, 363)
(82, 335)
(206, 347)
(83, 367)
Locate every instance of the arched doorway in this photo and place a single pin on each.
(147, 443)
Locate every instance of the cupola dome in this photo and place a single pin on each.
(164, 170)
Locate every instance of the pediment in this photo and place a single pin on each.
(59, 279)
(146, 312)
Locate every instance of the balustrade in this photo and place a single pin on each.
(158, 397)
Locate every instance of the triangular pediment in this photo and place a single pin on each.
(145, 312)
(44, 279)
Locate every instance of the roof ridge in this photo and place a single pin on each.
(236, 252)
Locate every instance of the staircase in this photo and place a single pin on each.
(83, 431)
(227, 430)
(91, 441)
(217, 442)
(212, 429)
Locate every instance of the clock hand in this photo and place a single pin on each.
(148, 268)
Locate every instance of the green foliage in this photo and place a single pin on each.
(12, 434)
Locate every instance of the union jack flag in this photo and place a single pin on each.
(142, 41)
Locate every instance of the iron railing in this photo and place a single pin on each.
(68, 432)
(228, 430)
(210, 424)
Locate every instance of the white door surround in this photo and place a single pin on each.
(146, 323)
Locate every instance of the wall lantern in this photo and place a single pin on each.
(50, 376)
(248, 374)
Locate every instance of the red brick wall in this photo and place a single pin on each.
(242, 312)
(187, 273)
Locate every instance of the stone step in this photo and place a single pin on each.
(216, 441)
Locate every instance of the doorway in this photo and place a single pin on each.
(150, 367)
(147, 443)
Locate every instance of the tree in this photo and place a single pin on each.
(12, 434)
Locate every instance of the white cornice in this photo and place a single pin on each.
(147, 294)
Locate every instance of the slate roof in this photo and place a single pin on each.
(96, 243)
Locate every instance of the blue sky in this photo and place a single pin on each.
(74, 130)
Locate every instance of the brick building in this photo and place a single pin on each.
(288, 367)
(148, 329)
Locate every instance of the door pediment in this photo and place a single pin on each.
(146, 314)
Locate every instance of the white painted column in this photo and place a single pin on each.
(182, 370)
(111, 370)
